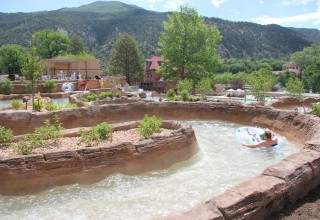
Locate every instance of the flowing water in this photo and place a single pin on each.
(221, 163)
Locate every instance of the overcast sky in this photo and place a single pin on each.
(288, 13)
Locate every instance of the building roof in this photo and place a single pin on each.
(155, 62)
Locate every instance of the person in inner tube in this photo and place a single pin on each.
(266, 141)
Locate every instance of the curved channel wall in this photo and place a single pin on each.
(284, 182)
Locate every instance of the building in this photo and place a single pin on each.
(291, 67)
(154, 80)
(88, 68)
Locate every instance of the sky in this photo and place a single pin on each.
(287, 13)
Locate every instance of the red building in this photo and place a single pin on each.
(154, 80)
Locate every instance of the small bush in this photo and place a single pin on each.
(6, 87)
(184, 95)
(17, 104)
(52, 107)
(92, 97)
(316, 109)
(118, 94)
(5, 135)
(95, 134)
(50, 130)
(70, 105)
(37, 105)
(50, 86)
(170, 95)
(149, 125)
(83, 100)
(27, 144)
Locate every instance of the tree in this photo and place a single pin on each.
(261, 82)
(308, 56)
(311, 77)
(50, 44)
(283, 78)
(76, 46)
(127, 59)
(204, 87)
(32, 69)
(11, 58)
(189, 44)
(296, 88)
(185, 84)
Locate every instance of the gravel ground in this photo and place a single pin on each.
(71, 143)
(307, 208)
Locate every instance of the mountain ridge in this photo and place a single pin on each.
(99, 23)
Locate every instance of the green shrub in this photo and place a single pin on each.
(50, 86)
(184, 95)
(70, 105)
(5, 135)
(50, 131)
(27, 144)
(185, 84)
(92, 97)
(52, 107)
(95, 134)
(170, 95)
(6, 87)
(102, 95)
(316, 109)
(118, 94)
(83, 100)
(37, 105)
(17, 104)
(149, 125)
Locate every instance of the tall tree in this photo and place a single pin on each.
(12, 57)
(127, 59)
(261, 82)
(189, 44)
(32, 70)
(308, 56)
(50, 44)
(76, 46)
(311, 77)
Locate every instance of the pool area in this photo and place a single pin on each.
(221, 162)
(57, 101)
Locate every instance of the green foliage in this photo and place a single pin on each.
(70, 105)
(16, 104)
(307, 57)
(32, 141)
(52, 107)
(190, 45)
(27, 144)
(95, 134)
(118, 94)
(185, 84)
(103, 95)
(12, 57)
(170, 95)
(261, 82)
(149, 125)
(50, 44)
(76, 46)
(283, 78)
(5, 135)
(184, 95)
(38, 105)
(295, 87)
(6, 87)
(50, 130)
(32, 69)
(204, 87)
(50, 86)
(316, 109)
(92, 97)
(77, 56)
(127, 59)
(311, 76)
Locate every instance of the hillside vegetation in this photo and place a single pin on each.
(98, 24)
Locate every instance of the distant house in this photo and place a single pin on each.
(88, 68)
(154, 80)
(291, 67)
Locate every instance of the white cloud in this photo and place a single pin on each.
(301, 18)
(261, 2)
(174, 4)
(217, 3)
(295, 2)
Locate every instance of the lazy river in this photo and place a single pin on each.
(221, 163)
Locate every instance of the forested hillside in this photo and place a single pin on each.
(98, 24)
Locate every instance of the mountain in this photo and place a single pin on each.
(99, 23)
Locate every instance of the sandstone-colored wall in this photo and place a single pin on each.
(291, 102)
(36, 172)
(287, 181)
